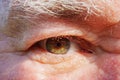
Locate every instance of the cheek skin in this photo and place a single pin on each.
(104, 67)
(38, 71)
(110, 65)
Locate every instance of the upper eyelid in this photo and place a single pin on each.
(31, 35)
(28, 41)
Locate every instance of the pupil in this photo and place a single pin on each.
(58, 45)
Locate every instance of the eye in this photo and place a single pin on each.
(62, 44)
(59, 49)
(57, 45)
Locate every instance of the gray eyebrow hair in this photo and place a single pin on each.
(57, 8)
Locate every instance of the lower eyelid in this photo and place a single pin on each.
(44, 57)
(51, 59)
(48, 58)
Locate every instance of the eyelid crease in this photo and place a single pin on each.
(86, 45)
(29, 40)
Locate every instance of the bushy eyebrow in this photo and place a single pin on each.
(64, 8)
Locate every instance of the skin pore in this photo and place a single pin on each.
(96, 23)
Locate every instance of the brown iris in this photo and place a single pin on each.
(58, 45)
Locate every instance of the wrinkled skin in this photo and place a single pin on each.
(17, 62)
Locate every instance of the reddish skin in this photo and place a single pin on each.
(75, 65)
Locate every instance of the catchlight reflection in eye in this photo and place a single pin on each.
(57, 45)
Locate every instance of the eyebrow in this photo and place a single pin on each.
(22, 12)
(57, 8)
